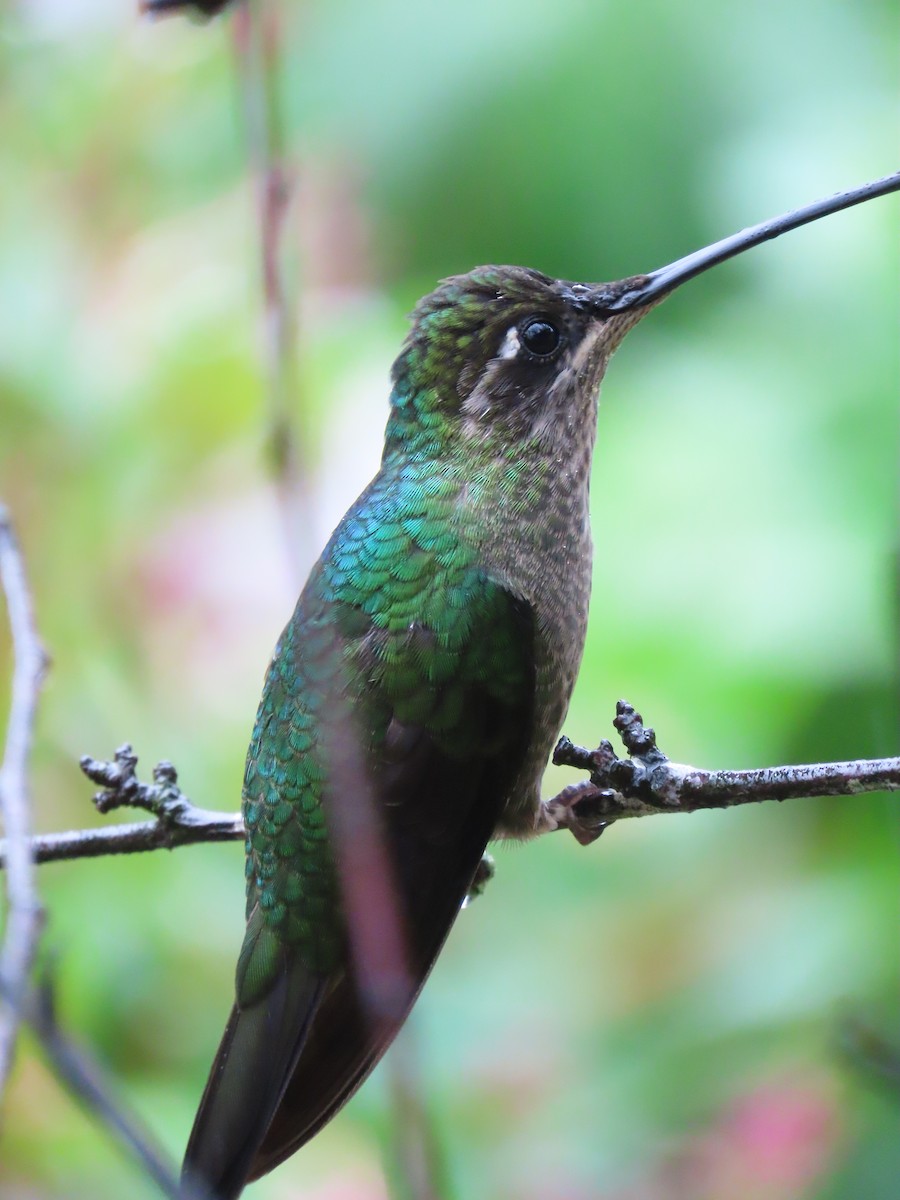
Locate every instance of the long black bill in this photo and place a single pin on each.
(644, 289)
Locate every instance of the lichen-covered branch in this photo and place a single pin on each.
(24, 914)
(647, 782)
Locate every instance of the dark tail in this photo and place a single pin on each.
(256, 1058)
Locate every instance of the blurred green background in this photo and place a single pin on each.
(659, 1017)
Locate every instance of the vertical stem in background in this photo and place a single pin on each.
(87, 1083)
(257, 30)
(23, 913)
(373, 912)
(417, 1162)
(257, 36)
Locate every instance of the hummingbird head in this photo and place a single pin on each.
(509, 354)
(503, 352)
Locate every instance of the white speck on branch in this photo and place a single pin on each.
(24, 914)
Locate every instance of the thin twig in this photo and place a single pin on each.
(376, 931)
(24, 913)
(647, 782)
(87, 1082)
(177, 821)
(376, 928)
(199, 825)
(257, 36)
(418, 1158)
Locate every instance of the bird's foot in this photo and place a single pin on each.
(582, 808)
(618, 787)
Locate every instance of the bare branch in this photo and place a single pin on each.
(198, 825)
(416, 1153)
(24, 913)
(257, 38)
(643, 784)
(647, 782)
(177, 821)
(87, 1082)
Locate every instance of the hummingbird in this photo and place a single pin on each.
(415, 695)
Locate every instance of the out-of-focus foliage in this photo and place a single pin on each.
(658, 1016)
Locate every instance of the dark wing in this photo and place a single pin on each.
(419, 679)
(439, 785)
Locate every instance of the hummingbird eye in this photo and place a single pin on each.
(540, 337)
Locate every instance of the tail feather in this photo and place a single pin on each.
(297, 1048)
(338, 1055)
(256, 1058)
(344, 1044)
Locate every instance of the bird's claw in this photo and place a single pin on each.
(582, 808)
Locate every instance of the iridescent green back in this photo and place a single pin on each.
(400, 630)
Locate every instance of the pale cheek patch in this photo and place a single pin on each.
(478, 406)
(510, 345)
